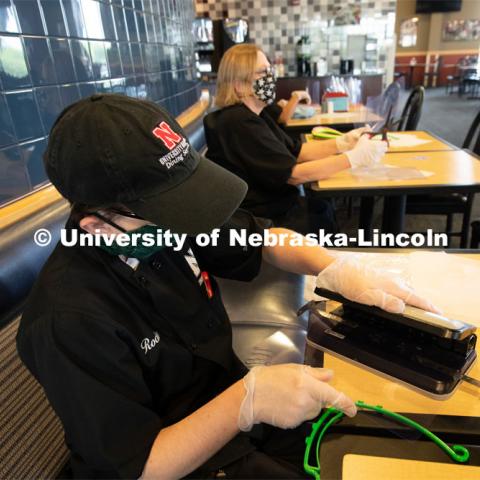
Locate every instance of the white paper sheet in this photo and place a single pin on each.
(403, 140)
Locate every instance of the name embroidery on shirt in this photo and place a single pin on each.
(147, 344)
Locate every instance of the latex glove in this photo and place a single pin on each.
(350, 139)
(359, 282)
(286, 395)
(302, 95)
(366, 152)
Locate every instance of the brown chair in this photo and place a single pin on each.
(454, 80)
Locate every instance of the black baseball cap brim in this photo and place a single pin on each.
(204, 201)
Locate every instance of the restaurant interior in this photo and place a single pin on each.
(409, 70)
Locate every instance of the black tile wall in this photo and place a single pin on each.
(54, 52)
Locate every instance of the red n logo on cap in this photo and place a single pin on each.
(166, 135)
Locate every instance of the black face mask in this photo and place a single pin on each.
(264, 88)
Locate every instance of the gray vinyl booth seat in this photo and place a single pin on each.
(263, 313)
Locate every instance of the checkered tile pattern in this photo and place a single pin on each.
(276, 25)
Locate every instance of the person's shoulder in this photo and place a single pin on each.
(273, 111)
(242, 218)
(236, 114)
(72, 279)
(48, 324)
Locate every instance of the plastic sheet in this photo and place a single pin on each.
(396, 265)
(389, 172)
(449, 281)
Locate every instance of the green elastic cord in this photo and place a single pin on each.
(330, 416)
(324, 135)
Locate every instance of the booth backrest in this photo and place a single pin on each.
(196, 134)
(21, 258)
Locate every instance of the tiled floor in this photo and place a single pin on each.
(448, 117)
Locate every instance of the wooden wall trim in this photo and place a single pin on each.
(468, 51)
(31, 203)
(28, 205)
(195, 111)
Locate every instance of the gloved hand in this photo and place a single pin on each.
(286, 395)
(366, 152)
(350, 139)
(357, 281)
(302, 95)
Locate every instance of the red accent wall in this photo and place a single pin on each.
(413, 76)
(448, 67)
(448, 62)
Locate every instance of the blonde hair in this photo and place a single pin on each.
(237, 65)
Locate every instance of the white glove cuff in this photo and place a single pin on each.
(342, 144)
(246, 418)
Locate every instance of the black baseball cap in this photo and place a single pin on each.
(110, 148)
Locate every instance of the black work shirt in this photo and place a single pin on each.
(274, 110)
(123, 353)
(256, 149)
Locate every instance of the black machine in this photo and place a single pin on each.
(431, 6)
(227, 33)
(425, 350)
(213, 38)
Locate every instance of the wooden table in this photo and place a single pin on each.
(453, 171)
(358, 383)
(458, 415)
(373, 388)
(434, 144)
(363, 467)
(356, 116)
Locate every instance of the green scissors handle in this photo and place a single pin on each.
(331, 415)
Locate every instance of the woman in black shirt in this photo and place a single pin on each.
(243, 138)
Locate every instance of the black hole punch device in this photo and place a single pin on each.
(427, 351)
